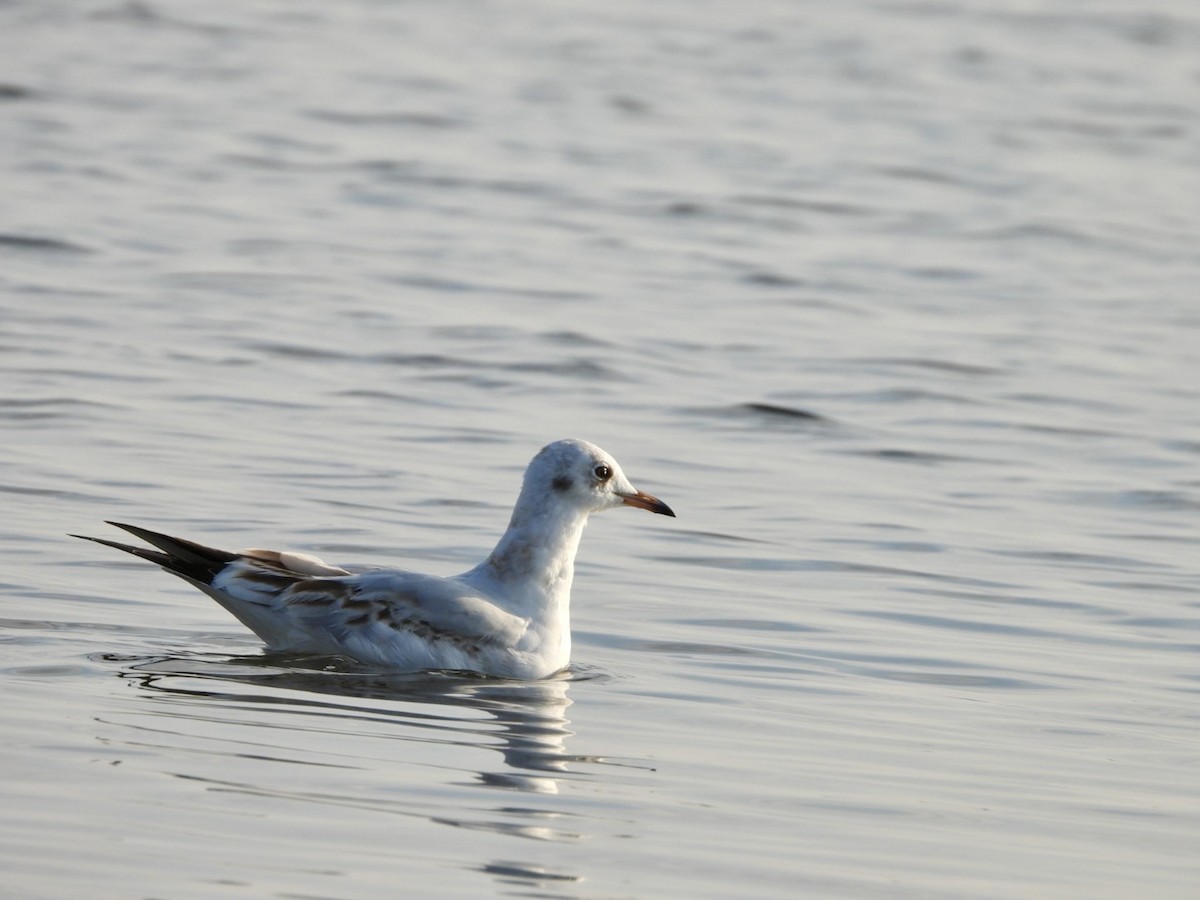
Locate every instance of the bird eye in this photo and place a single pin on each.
(603, 472)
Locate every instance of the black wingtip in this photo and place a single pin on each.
(178, 556)
(153, 556)
(185, 550)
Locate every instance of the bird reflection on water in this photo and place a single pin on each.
(524, 721)
(530, 715)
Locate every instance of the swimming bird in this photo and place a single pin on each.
(508, 617)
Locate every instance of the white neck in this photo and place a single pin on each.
(533, 563)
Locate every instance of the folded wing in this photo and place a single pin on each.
(304, 610)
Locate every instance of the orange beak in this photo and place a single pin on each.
(642, 500)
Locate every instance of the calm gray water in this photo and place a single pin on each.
(894, 303)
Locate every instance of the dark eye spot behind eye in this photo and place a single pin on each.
(561, 483)
(603, 472)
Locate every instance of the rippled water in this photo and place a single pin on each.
(895, 304)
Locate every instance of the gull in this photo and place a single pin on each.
(508, 617)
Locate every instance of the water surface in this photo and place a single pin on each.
(893, 303)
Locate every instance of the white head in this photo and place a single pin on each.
(585, 477)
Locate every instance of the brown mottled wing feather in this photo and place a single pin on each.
(424, 604)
